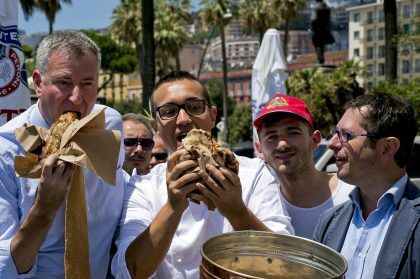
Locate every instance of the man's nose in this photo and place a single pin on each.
(76, 96)
(183, 117)
(334, 142)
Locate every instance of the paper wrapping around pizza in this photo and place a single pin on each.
(85, 143)
(204, 149)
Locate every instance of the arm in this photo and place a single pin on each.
(226, 194)
(147, 251)
(52, 191)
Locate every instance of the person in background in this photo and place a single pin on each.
(33, 210)
(377, 230)
(159, 152)
(138, 144)
(287, 140)
(320, 29)
(162, 229)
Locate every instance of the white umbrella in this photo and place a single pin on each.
(14, 92)
(268, 73)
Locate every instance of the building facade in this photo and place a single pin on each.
(367, 40)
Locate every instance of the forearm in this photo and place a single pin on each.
(148, 250)
(28, 239)
(246, 221)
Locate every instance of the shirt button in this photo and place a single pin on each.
(360, 255)
(179, 261)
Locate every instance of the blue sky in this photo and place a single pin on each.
(81, 14)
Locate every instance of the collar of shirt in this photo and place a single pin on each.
(37, 118)
(394, 194)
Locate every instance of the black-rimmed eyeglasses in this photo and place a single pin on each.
(192, 108)
(345, 136)
(145, 143)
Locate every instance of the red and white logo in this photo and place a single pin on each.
(9, 70)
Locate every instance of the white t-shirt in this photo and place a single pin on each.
(145, 195)
(304, 220)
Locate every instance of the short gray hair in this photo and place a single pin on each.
(74, 43)
(139, 118)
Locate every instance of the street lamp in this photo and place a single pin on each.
(224, 140)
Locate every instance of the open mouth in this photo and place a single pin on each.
(79, 114)
(181, 137)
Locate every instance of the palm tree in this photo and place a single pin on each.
(48, 7)
(170, 37)
(148, 74)
(258, 15)
(289, 10)
(391, 32)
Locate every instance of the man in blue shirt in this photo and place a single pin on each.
(32, 210)
(377, 231)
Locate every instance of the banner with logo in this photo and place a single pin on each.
(268, 74)
(14, 91)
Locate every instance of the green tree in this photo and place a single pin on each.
(126, 106)
(49, 7)
(409, 91)
(240, 125)
(289, 10)
(325, 93)
(170, 36)
(258, 16)
(115, 58)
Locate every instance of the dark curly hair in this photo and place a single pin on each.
(386, 115)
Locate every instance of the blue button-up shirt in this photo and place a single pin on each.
(365, 237)
(17, 195)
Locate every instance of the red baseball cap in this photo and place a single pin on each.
(284, 104)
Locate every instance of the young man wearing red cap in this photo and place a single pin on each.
(287, 137)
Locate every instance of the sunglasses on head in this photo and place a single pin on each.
(160, 156)
(146, 143)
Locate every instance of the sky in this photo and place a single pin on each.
(81, 14)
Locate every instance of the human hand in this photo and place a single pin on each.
(223, 187)
(178, 183)
(54, 183)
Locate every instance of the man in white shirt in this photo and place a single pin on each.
(287, 140)
(32, 210)
(138, 144)
(161, 230)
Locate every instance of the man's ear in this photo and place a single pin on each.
(389, 147)
(213, 114)
(258, 146)
(36, 77)
(154, 124)
(316, 138)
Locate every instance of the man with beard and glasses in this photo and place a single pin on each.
(287, 140)
(377, 230)
(162, 230)
(138, 144)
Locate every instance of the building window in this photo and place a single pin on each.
(417, 66)
(369, 69)
(369, 53)
(381, 17)
(356, 35)
(369, 36)
(406, 11)
(405, 66)
(356, 17)
(381, 33)
(356, 52)
(381, 69)
(370, 17)
(405, 28)
(381, 51)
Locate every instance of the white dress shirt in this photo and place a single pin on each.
(17, 195)
(145, 195)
